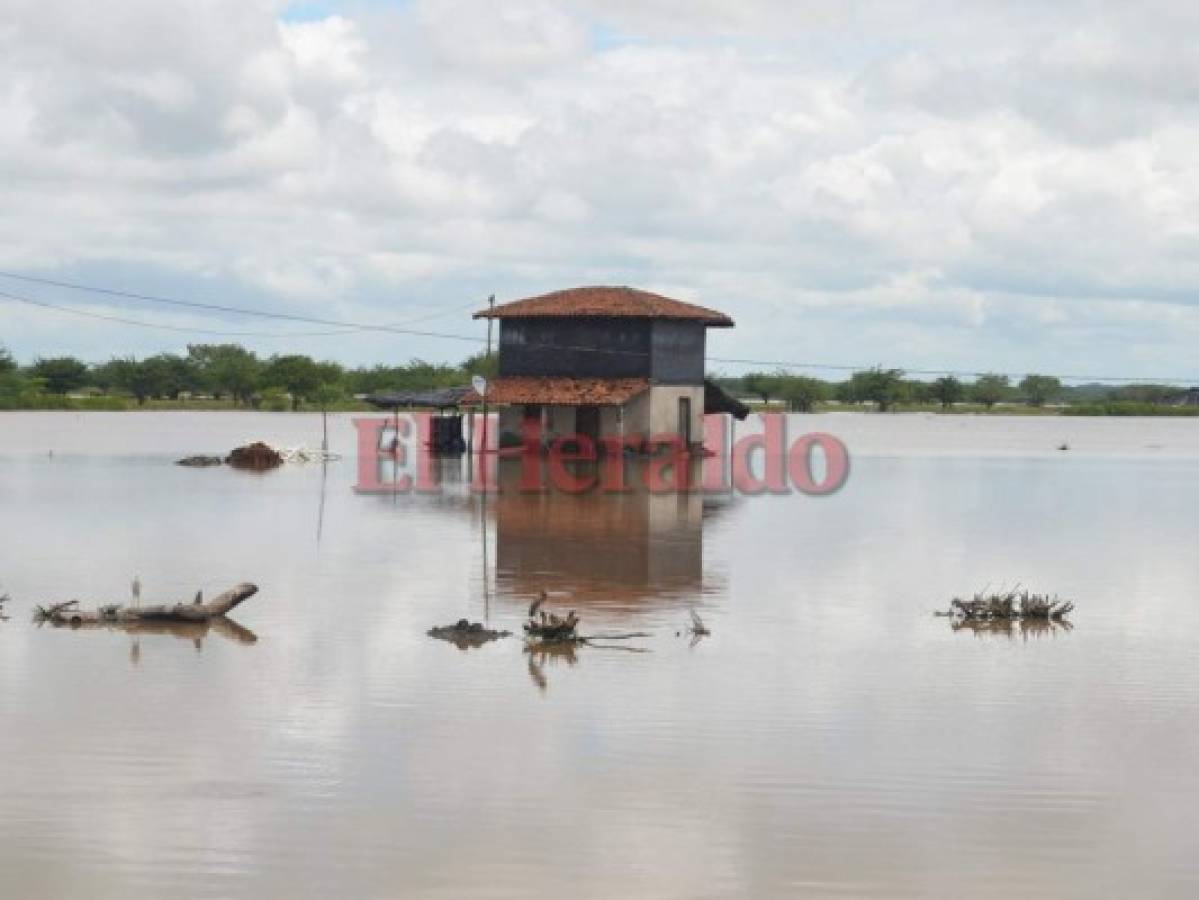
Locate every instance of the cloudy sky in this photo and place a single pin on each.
(1005, 186)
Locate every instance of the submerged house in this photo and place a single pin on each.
(604, 362)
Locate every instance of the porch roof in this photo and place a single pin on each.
(561, 391)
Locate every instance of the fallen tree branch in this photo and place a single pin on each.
(197, 611)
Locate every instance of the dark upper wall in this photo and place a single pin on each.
(587, 348)
(678, 351)
(667, 351)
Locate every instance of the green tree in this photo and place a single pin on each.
(916, 391)
(15, 389)
(1040, 389)
(481, 364)
(60, 374)
(947, 391)
(227, 370)
(883, 387)
(764, 385)
(297, 374)
(990, 389)
(171, 375)
(1147, 393)
(803, 393)
(149, 378)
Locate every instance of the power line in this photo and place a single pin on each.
(956, 373)
(351, 327)
(234, 310)
(178, 328)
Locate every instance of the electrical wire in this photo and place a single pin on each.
(345, 328)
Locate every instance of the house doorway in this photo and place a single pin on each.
(587, 423)
(685, 420)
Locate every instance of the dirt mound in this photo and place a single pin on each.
(257, 456)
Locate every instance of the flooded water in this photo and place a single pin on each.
(831, 738)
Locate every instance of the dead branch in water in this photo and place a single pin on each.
(1009, 606)
(69, 613)
(550, 629)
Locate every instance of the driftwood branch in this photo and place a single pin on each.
(197, 611)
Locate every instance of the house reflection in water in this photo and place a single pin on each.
(599, 549)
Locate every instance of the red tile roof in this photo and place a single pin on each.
(604, 302)
(561, 391)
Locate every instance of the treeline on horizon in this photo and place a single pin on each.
(891, 389)
(231, 375)
(226, 373)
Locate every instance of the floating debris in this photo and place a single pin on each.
(465, 635)
(4, 598)
(70, 614)
(257, 456)
(697, 630)
(1009, 606)
(550, 628)
(199, 462)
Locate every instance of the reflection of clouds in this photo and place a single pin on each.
(831, 735)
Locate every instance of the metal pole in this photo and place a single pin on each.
(483, 476)
(486, 362)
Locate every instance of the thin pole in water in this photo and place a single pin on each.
(483, 471)
(486, 363)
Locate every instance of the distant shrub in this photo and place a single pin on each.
(1128, 408)
(102, 404)
(274, 400)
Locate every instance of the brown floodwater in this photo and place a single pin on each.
(830, 738)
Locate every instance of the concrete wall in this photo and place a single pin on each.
(657, 411)
(653, 412)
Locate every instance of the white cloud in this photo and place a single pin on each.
(941, 169)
